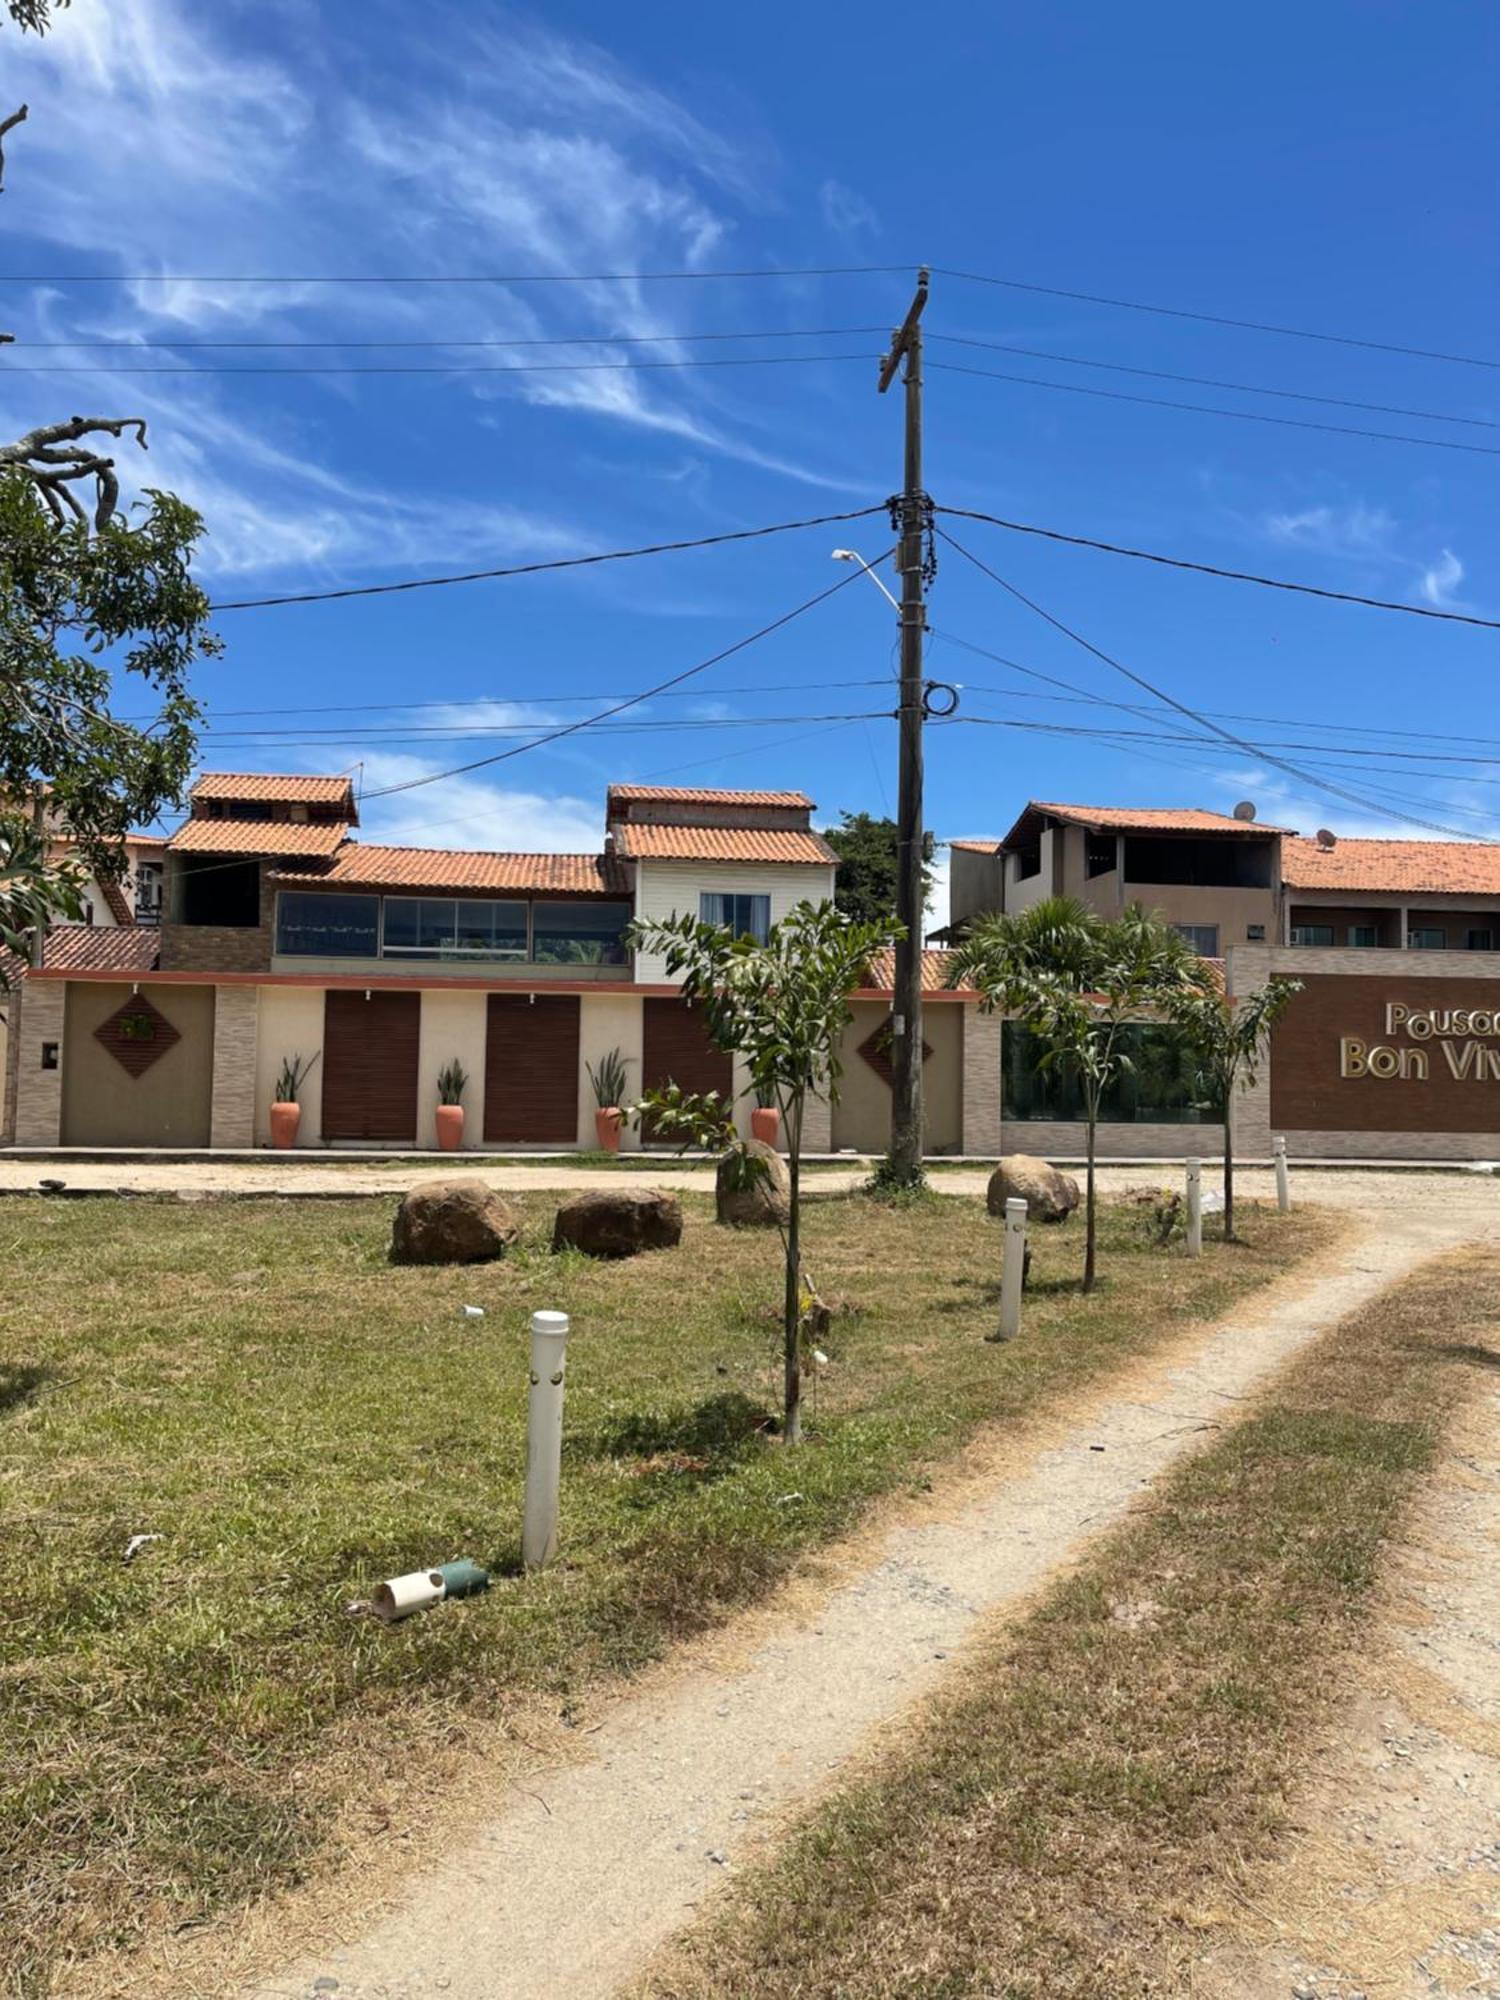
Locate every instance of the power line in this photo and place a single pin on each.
(683, 725)
(1240, 743)
(1210, 410)
(1218, 319)
(549, 340)
(630, 701)
(455, 278)
(455, 368)
(1213, 382)
(1212, 569)
(536, 568)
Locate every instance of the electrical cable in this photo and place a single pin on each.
(1228, 575)
(1239, 742)
(631, 701)
(447, 368)
(537, 568)
(547, 340)
(1217, 319)
(1209, 382)
(454, 278)
(1206, 410)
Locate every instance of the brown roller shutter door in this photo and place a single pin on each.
(370, 1065)
(531, 1070)
(676, 1049)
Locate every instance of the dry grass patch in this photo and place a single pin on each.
(1067, 1822)
(298, 1420)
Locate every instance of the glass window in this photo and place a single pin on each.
(1364, 934)
(579, 933)
(321, 926)
(1204, 938)
(746, 916)
(1162, 1087)
(453, 927)
(1479, 941)
(1312, 933)
(1427, 937)
(1100, 854)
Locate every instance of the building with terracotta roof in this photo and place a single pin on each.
(284, 935)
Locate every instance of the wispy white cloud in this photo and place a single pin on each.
(844, 211)
(472, 811)
(1441, 578)
(1373, 537)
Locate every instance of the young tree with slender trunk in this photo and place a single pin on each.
(1228, 1037)
(1077, 981)
(782, 1007)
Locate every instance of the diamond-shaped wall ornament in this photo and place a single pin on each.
(136, 1034)
(876, 1050)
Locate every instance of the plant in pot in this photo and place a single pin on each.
(765, 1119)
(608, 1080)
(286, 1110)
(452, 1081)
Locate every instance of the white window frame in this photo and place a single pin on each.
(1300, 937)
(759, 932)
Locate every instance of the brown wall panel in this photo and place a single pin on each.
(1459, 1092)
(531, 1069)
(675, 1048)
(370, 1044)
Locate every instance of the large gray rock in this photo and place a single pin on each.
(617, 1222)
(452, 1222)
(1049, 1195)
(767, 1202)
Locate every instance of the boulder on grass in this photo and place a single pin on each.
(767, 1201)
(1050, 1196)
(618, 1222)
(452, 1222)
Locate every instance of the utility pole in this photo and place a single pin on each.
(911, 514)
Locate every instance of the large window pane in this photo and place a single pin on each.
(1163, 1087)
(579, 933)
(491, 930)
(323, 926)
(423, 924)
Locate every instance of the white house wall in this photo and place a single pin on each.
(291, 1024)
(673, 888)
(453, 1028)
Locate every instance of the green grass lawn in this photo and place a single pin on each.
(298, 1420)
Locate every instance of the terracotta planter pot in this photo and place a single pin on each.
(607, 1123)
(450, 1127)
(765, 1124)
(285, 1119)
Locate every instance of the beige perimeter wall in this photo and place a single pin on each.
(862, 1116)
(168, 1104)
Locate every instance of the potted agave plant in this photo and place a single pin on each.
(452, 1081)
(765, 1119)
(286, 1110)
(608, 1080)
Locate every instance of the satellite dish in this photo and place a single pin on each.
(1245, 809)
(1326, 837)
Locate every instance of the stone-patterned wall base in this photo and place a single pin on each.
(43, 1010)
(236, 1024)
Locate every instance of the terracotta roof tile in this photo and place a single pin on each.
(82, 948)
(256, 836)
(882, 972)
(1138, 819)
(650, 842)
(118, 902)
(357, 865)
(278, 788)
(694, 795)
(1432, 867)
(976, 846)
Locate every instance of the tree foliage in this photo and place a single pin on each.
(782, 1007)
(1076, 979)
(1228, 1038)
(865, 887)
(33, 14)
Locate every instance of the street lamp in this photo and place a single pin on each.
(853, 555)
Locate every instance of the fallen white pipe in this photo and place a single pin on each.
(403, 1595)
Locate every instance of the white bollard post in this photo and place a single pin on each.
(1013, 1269)
(1283, 1178)
(549, 1355)
(1195, 1208)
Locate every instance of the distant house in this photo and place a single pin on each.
(281, 933)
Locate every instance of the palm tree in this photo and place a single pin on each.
(1076, 980)
(1228, 1038)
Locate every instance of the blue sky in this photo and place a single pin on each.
(1330, 167)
